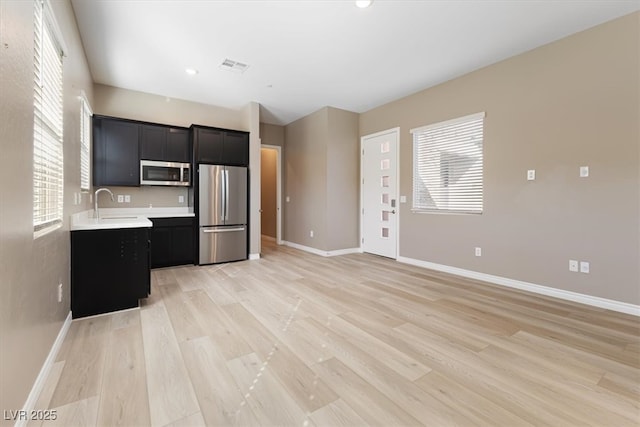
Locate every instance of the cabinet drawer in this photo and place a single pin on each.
(172, 222)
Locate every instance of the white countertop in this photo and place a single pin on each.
(148, 212)
(113, 218)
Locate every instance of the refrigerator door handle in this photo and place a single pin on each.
(223, 195)
(226, 194)
(223, 230)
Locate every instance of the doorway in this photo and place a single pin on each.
(379, 193)
(270, 192)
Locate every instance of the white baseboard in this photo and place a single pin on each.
(30, 404)
(320, 251)
(254, 256)
(608, 304)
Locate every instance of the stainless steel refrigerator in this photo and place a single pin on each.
(222, 212)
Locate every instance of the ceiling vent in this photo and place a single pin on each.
(235, 66)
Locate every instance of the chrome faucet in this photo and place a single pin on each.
(95, 201)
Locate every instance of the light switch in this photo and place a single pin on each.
(478, 251)
(531, 174)
(584, 171)
(403, 199)
(120, 198)
(288, 199)
(180, 199)
(584, 267)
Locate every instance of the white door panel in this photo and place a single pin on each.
(379, 193)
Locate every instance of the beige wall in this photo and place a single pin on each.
(571, 103)
(30, 270)
(117, 102)
(268, 191)
(272, 134)
(322, 172)
(306, 180)
(343, 177)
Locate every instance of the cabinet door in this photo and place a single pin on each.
(182, 245)
(160, 246)
(209, 143)
(153, 142)
(236, 149)
(115, 154)
(178, 145)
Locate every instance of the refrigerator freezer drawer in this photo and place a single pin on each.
(223, 244)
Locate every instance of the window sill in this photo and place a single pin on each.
(46, 230)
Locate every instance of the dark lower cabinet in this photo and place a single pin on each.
(109, 270)
(172, 241)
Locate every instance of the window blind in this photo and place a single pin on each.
(48, 123)
(448, 166)
(85, 144)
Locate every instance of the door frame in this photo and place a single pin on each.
(278, 190)
(396, 132)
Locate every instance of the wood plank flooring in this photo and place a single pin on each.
(294, 339)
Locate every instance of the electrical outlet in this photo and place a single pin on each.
(180, 199)
(573, 265)
(403, 199)
(584, 171)
(120, 198)
(478, 251)
(311, 233)
(584, 267)
(59, 292)
(127, 198)
(288, 199)
(531, 174)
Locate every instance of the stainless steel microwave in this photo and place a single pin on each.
(154, 172)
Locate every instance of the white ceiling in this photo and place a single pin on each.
(304, 55)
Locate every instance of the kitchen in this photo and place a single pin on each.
(32, 317)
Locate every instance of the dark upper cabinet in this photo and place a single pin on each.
(208, 143)
(115, 152)
(221, 147)
(236, 149)
(164, 143)
(153, 142)
(178, 147)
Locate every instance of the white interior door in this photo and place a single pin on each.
(379, 193)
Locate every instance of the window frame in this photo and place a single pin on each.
(447, 145)
(86, 114)
(48, 122)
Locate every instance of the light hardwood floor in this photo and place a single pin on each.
(294, 339)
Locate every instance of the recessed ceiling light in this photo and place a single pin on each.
(191, 71)
(363, 3)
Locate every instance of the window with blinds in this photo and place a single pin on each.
(448, 166)
(48, 123)
(85, 144)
